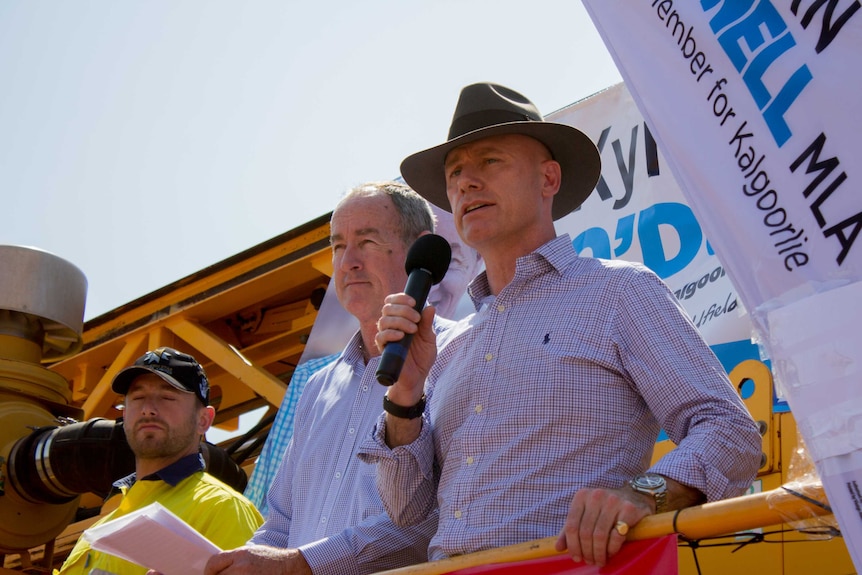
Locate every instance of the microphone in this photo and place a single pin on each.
(427, 262)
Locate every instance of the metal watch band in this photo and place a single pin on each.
(411, 412)
(653, 485)
(660, 501)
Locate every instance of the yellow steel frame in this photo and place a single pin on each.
(219, 315)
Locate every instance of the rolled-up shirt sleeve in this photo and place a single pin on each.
(373, 543)
(718, 444)
(406, 478)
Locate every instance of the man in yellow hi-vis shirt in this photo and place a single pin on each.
(166, 414)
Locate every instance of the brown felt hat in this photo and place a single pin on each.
(485, 110)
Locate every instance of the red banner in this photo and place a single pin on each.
(646, 557)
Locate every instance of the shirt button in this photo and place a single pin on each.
(458, 514)
(501, 307)
(323, 519)
(478, 408)
(489, 356)
(470, 460)
(338, 475)
(364, 388)
(351, 431)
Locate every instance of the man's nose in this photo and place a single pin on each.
(149, 407)
(469, 178)
(351, 258)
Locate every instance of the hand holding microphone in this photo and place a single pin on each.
(426, 264)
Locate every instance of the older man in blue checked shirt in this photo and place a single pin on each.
(325, 515)
(449, 299)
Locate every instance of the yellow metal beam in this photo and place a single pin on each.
(101, 397)
(322, 262)
(230, 359)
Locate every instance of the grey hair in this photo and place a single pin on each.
(414, 210)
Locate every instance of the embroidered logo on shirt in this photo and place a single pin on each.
(547, 339)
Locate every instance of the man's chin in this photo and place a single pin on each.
(149, 449)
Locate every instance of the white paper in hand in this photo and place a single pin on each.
(154, 538)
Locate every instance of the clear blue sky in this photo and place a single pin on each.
(143, 140)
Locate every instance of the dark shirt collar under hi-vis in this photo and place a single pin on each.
(172, 474)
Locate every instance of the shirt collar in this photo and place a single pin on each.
(353, 350)
(172, 474)
(558, 253)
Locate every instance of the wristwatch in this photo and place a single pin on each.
(411, 412)
(653, 485)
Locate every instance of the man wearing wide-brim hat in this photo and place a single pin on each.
(542, 414)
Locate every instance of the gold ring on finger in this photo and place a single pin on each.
(621, 527)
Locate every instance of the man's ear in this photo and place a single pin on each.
(552, 177)
(206, 417)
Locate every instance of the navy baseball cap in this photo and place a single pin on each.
(175, 367)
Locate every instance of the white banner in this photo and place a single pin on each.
(638, 213)
(754, 105)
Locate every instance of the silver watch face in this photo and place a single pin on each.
(650, 482)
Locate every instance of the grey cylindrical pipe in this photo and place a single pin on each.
(47, 289)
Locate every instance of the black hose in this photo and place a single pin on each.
(56, 464)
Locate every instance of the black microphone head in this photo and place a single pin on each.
(431, 253)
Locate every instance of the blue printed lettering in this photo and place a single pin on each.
(595, 240)
(755, 38)
(671, 217)
(676, 217)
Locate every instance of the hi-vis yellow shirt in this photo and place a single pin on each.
(216, 511)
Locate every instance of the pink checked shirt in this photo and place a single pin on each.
(562, 381)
